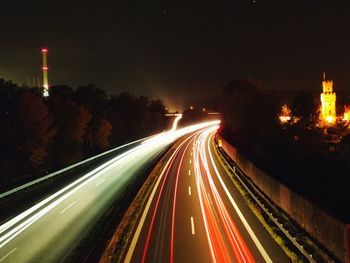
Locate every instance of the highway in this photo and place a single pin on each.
(22, 197)
(49, 230)
(195, 213)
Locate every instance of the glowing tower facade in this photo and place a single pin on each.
(328, 99)
(45, 77)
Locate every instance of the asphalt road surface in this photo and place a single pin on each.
(196, 214)
(52, 228)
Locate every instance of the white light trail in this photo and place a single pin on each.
(14, 227)
(217, 219)
(176, 121)
(235, 206)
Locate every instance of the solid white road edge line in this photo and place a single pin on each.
(145, 211)
(4, 257)
(239, 213)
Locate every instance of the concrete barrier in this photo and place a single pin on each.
(328, 230)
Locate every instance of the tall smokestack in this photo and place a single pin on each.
(45, 68)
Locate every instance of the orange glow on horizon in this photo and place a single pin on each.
(346, 116)
(330, 119)
(285, 114)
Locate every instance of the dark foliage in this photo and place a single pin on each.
(295, 154)
(250, 118)
(191, 116)
(305, 109)
(38, 135)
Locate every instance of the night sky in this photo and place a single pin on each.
(180, 50)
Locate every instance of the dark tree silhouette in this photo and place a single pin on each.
(82, 120)
(93, 98)
(102, 134)
(155, 118)
(295, 154)
(192, 116)
(11, 157)
(37, 131)
(249, 113)
(72, 121)
(38, 135)
(305, 110)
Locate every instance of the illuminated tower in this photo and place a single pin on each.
(45, 78)
(328, 99)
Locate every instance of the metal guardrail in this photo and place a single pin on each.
(46, 177)
(51, 175)
(263, 208)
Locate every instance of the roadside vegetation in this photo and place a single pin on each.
(39, 135)
(296, 153)
(264, 207)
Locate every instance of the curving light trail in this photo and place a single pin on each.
(165, 171)
(190, 207)
(43, 227)
(215, 214)
(238, 211)
(224, 239)
(176, 121)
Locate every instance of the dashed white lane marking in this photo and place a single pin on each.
(189, 190)
(64, 210)
(190, 161)
(4, 257)
(101, 182)
(189, 172)
(192, 225)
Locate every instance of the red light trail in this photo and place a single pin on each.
(219, 251)
(158, 199)
(224, 239)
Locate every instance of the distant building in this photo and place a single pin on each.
(285, 115)
(328, 99)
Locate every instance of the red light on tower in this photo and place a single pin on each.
(45, 77)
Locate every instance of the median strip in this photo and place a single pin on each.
(118, 246)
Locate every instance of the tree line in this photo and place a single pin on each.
(40, 134)
(295, 153)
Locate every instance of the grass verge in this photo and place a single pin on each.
(319, 254)
(119, 243)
